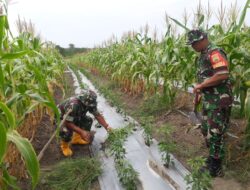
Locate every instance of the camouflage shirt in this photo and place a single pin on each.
(79, 109)
(214, 61)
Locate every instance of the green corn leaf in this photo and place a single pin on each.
(2, 28)
(247, 104)
(3, 141)
(247, 84)
(1, 77)
(178, 23)
(28, 153)
(14, 55)
(243, 15)
(201, 20)
(18, 69)
(50, 103)
(9, 181)
(37, 97)
(8, 114)
(13, 99)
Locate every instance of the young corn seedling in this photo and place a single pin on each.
(197, 179)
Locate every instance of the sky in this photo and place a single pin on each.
(87, 23)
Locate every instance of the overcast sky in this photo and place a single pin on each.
(86, 23)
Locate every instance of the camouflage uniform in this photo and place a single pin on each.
(216, 100)
(80, 105)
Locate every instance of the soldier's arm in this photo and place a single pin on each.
(212, 81)
(220, 65)
(99, 117)
(69, 123)
(83, 133)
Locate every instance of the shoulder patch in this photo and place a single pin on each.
(217, 60)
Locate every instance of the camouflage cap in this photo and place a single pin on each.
(195, 35)
(88, 97)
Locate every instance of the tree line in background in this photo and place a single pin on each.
(71, 50)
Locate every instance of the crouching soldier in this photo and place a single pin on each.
(77, 125)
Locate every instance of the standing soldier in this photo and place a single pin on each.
(76, 128)
(214, 88)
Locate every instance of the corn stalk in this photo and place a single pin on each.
(27, 66)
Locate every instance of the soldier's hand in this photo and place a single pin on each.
(86, 136)
(109, 129)
(197, 88)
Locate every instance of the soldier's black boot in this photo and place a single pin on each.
(207, 165)
(215, 168)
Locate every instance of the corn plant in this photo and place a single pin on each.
(9, 134)
(198, 179)
(27, 67)
(142, 65)
(247, 141)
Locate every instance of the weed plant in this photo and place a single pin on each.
(77, 174)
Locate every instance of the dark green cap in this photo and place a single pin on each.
(195, 35)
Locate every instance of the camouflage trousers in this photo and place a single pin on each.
(215, 122)
(84, 123)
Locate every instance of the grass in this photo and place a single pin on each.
(77, 174)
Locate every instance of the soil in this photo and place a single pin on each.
(189, 141)
(53, 153)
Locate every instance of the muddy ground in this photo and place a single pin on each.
(189, 142)
(53, 153)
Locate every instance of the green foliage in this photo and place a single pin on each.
(153, 105)
(3, 141)
(116, 139)
(77, 174)
(166, 146)
(126, 173)
(140, 64)
(199, 180)
(28, 153)
(8, 180)
(147, 125)
(247, 132)
(9, 116)
(27, 66)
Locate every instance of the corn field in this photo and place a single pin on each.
(143, 64)
(28, 69)
(138, 62)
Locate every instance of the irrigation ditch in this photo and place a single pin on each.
(144, 160)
